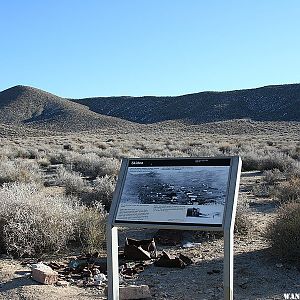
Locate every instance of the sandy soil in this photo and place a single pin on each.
(257, 275)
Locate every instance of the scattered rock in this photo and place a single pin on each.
(44, 274)
(62, 283)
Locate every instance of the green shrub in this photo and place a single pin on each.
(283, 233)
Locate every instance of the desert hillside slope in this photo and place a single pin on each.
(31, 107)
(270, 103)
(25, 109)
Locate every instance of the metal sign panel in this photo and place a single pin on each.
(174, 192)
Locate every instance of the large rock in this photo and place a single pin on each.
(44, 274)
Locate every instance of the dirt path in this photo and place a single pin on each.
(256, 274)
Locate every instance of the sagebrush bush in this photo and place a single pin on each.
(272, 177)
(19, 170)
(289, 191)
(102, 191)
(243, 224)
(92, 165)
(262, 160)
(72, 181)
(91, 229)
(33, 222)
(283, 233)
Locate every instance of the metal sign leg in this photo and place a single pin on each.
(228, 264)
(112, 263)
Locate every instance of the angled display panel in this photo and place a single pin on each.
(185, 191)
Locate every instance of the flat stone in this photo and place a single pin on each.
(133, 292)
(63, 283)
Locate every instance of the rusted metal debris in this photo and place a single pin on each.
(91, 270)
(139, 249)
(172, 261)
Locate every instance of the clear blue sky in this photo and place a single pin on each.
(76, 48)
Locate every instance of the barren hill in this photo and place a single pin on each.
(34, 108)
(270, 103)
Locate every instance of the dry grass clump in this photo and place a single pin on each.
(19, 170)
(99, 191)
(89, 164)
(283, 233)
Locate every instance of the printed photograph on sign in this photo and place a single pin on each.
(178, 194)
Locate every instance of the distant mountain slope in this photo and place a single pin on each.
(270, 103)
(23, 105)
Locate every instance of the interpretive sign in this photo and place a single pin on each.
(175, 193)
(187, 191)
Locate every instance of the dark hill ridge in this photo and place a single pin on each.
(23, 105)
(28, 107)
(270, 103)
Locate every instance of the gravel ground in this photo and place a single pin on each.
(257, 275)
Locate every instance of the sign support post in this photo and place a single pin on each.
(228, 264)
(112, 263)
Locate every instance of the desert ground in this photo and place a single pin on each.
(258, 273)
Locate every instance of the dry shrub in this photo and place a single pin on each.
(243, 224)
(91, 229)
(272, 177)
(258, 160)
(19, 170)
(283, 233)
(44, 162)
(93, 166)
(33, 222)
(289, 191)
(72, 181)
(101, 192)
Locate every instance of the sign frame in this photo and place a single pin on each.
(227, 223)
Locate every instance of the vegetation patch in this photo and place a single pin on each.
(283, 233)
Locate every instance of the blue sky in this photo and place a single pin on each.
(76, 48)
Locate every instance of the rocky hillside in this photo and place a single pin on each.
(34, 108)
(270, 103)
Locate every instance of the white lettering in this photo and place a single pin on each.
(293, 296)
(137, 162)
